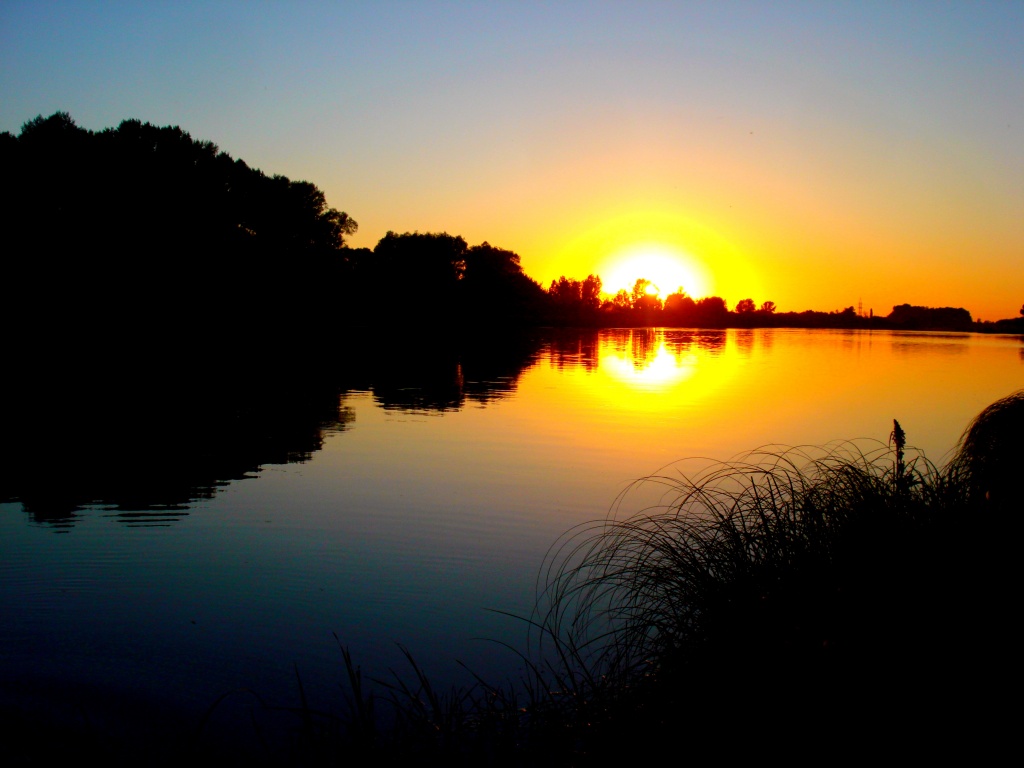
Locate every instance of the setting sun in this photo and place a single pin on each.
(667, 268)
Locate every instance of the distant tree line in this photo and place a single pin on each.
(139, 238)
(1007, 325)
(578, 303)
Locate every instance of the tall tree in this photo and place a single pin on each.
(495, 290)
(680, 309)
(574, 302)
(418, 273)
(711, 312)
(140, 236)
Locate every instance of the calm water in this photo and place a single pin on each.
(428, 496)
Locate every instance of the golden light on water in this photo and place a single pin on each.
(640, 369)
(661, 371)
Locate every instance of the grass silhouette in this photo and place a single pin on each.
(814, 601)
(810, 603)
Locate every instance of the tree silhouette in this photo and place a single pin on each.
(711, 312)
(646, 306)
(639, 290)
(929, 318)
(421, 272)
(590, 292)
(138, 238)
(680, 309)
(495, 290)
(574, 302)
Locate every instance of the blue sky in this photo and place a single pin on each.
(815, 154)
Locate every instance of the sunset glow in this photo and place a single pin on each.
(645, 374)
(860, 153)
(667, 269)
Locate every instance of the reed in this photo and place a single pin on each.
(807, 602)
(763, 529)
(833, 592)
(817, 600)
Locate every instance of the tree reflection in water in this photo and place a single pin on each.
(146, 444)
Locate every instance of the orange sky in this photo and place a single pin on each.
(818, 155)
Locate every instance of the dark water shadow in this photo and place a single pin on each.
(910, 343)
(416, 370)
(574, 348)
(146, 447)
(144, 437)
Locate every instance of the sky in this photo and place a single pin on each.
(819, 155)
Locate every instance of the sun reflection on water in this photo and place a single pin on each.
(641, 369)
(653, 373)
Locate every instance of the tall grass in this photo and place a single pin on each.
(808, 602)
(805, 595)
(826, 600)
(734, 539)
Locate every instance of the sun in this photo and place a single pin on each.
(667, 267)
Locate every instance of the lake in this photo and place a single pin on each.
(411, 501)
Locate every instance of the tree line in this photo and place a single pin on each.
(140, 236)
(582, 303)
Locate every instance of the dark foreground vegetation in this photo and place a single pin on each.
(141, 242)
(812, 604)
(809, 604)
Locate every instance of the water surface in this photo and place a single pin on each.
(420, 488)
